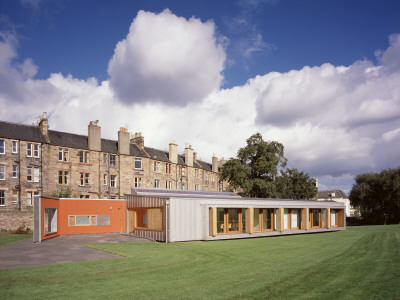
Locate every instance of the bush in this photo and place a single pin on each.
(22, 230)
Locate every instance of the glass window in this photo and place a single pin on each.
(29, 149)
(36, 150)
(138, 163)
(2, 172)
(267, 219)
(138, 181)
(333, 218)
(156, 183)
(2, 198)
(2, 147)
(29, 198)
(294, 218)
(29, 174)
(257, 219)
(243, 220)
(105, 160)
(82, 220)
(233, 219)
(35, 174)
(220, 220)
(14, 147)
(286, 218)
(113, 160)
(113, 180)
(87, 179)
(15, 197)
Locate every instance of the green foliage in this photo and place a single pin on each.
(359, 263)
(296, 185)
(7, 238)
(254, 173)
(63, 192)
(377, 195)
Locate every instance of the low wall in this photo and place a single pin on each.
(11, 219)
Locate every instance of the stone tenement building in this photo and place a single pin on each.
(37, 161)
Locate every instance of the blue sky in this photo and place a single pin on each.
(78, 37)
(318, 76)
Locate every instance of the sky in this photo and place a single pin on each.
(320, 77)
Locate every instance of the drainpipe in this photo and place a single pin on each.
(19, 176)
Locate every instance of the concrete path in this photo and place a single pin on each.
(61, 249)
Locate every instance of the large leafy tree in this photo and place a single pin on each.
(293, 184)
(254, 173)
(377, 195)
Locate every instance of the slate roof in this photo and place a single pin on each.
(327, 194)
(31, 133)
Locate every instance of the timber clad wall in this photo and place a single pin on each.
(99, 169)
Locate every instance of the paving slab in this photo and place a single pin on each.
(61, 249)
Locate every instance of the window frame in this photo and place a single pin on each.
(29, 203)
(64, 154)
(3, 172)
(36, 174)
(138, 160)
(15, 171)
(84, 157)
(36, 150)
(113, 160)
(29, 149)
(2, 198)
(2, 147)
(64, 176)
(15, 194)
(138, 182)
(113, 181)
(14, 142)
(157, 183)
(92, 220)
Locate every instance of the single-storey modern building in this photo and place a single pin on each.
(176, 215)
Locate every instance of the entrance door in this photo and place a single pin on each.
(132, 220)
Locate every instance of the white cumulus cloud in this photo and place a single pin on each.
(167, 59)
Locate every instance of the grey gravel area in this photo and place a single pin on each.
(61, 249)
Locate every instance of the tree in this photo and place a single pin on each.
(293, 184)
(254, 173)
(377, 195)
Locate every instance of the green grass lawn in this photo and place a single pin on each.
(359, 263)
(7, 239)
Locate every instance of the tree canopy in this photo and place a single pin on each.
(258, 171)
(377, 195)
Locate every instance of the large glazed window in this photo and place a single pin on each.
(230, 220)
(150, 218)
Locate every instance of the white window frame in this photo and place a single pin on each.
(63, 154)
(36, 174)
(84, 158)
(29, 149)
(29, 175)
(14, 149)
(105, 179)
(2, 147)
(113, 181)
(29, 198)
(2, 198)
(113, 162)
(157, 183)
(2, 172)
(87, 179)
(15, 195)
(138, 181)
(36, 150)
(138, 160)
(15, 171)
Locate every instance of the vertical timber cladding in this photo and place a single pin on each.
(137, 202)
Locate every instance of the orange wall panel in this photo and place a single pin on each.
(116, 209)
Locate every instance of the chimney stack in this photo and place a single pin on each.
(173, 152)
(44, 127)
(189, 156)
(138, 140)
(123, 141)
(215, 164)
(94, 136)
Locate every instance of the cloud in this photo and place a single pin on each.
(334, 121)
(167, 59)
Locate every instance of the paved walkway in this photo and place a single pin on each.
(61, 249)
